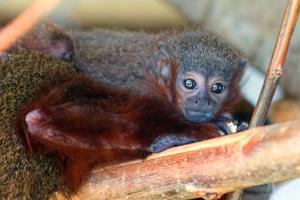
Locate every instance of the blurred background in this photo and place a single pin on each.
(252, 26)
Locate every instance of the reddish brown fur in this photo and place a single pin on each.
(96, 124)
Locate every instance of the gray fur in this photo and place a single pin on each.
(119, 58)
(112, 57)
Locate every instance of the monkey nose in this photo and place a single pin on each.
(198, 101)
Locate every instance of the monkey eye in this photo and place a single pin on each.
(217, 88)
(189, 83)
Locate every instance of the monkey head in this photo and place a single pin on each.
(209, 73)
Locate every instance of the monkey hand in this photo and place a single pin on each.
(167, 141)
(227, 124)
(192, 133)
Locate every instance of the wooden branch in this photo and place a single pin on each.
(24, 22)
(206, 169)
(274, 72)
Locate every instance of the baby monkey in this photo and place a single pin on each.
(209, 70)
(192, 82)
(86, 122)
(204, 94)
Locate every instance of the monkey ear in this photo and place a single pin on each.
(163, 78)
(163, 62)
(48, 39)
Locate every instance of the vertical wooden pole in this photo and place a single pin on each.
(274, 72)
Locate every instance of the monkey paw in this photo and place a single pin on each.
(227, 124)
(165, 142)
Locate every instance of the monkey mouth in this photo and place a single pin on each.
(198, 116)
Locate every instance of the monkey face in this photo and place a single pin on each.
(200, 96)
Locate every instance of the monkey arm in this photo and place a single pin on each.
(207, 169)
(43, 132)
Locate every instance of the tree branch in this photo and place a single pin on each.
(207, 169)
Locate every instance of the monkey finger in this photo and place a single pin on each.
(242, 126)
(224, 128)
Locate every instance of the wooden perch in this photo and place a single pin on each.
(206, 169)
